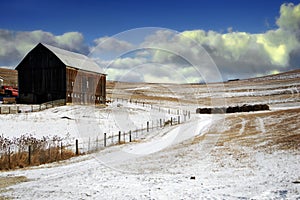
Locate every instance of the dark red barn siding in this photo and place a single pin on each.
(41, 77)
(85, 87)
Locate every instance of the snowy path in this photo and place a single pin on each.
(94, 175)
(161, 167)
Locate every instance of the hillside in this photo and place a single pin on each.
(253, 155)
(273, 89)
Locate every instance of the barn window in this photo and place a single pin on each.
(87, 84)
(72, 83)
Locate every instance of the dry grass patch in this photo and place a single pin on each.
(9, 181)
(38, 157)
(244, 133)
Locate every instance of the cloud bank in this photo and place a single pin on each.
(165, 55)
(16, 44)
(236, 54)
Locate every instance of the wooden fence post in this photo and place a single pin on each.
(189, 114)
(171, 121)
(129, 136)
(9, 157)
(119, 137)
(104, 139)
(49, 151)
(29, 155)
(178, 119)
(97, 143)
(76, 145)
(147, 126)
(160, 123)
(61, 150)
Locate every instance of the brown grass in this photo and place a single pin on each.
(9, 181)
(281, 131)
(156, 93)
(38, 157)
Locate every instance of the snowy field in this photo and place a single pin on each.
(232, 156)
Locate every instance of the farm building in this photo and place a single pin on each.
(48, 73)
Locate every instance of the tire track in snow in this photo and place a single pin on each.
(261, 125)
(244, 122)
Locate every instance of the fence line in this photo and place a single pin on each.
(41, 152)
(14, 109)
(119, 137)
(36, 153)
(152, 107)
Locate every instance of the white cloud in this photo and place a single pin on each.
(164, 55)
(14, 45)
(109, 48)
(244, 53)
(289, 17)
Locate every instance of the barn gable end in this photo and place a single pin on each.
(48, 73)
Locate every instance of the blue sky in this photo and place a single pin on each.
(105, 18)
(243, 38)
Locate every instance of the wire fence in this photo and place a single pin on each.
(23, 108)
(29, 151)
(93, 144)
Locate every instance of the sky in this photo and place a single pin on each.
(196, 39)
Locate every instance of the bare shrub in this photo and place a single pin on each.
(14, 153)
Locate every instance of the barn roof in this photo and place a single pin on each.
(74, 60)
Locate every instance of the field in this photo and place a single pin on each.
(253, 155)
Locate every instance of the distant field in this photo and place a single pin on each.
(275, 89)
(251, 155)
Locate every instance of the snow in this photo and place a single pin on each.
(159, 164)
(174, 136)
(139, 88)
(75, 60)
(268, 176)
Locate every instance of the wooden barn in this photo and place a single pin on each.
(48, 73)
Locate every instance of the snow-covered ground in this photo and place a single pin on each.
(167, 164)
(156, 169)
(183, 161)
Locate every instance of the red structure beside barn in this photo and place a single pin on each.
(48, 73)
